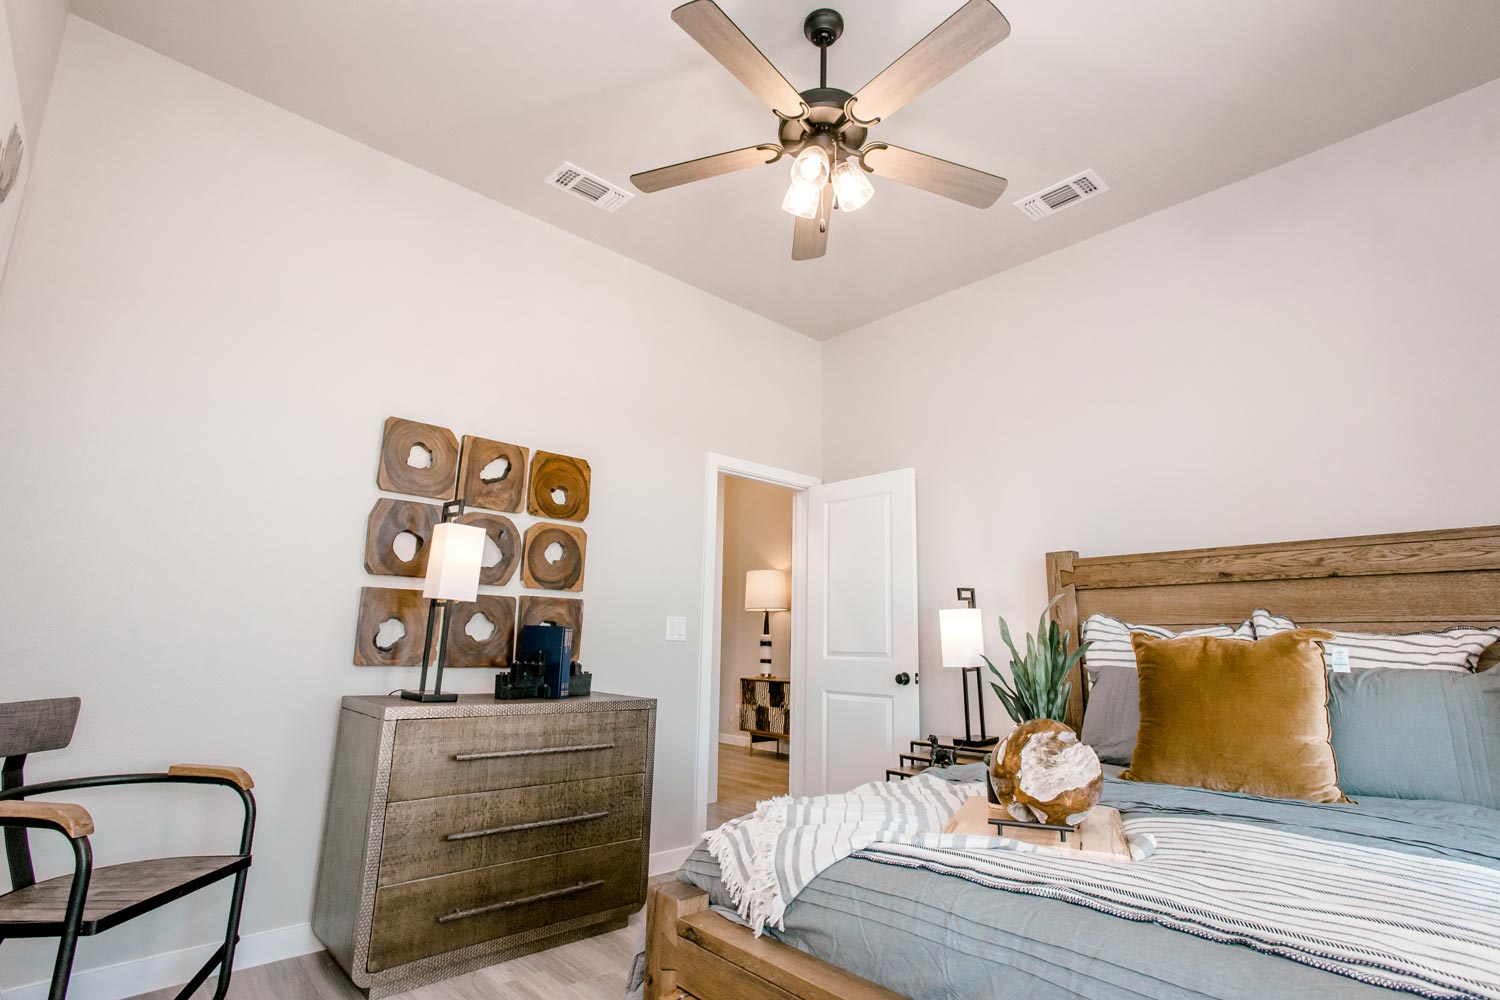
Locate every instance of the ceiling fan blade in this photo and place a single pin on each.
(810, 236)
(951, 180)
(711, 28)
(704, 167)
(974, 29)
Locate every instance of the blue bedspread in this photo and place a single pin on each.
(927, 935)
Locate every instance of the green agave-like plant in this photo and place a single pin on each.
(1039, 688)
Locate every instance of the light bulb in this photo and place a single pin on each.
(851, 186)
(811, 165)
(803, 199)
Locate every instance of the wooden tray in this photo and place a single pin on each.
(1100, 837)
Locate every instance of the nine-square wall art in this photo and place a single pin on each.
(421, 466)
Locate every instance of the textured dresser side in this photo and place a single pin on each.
(346, 827)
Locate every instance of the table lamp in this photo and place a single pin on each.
(452, 576)
(765, 591)
(962, 631)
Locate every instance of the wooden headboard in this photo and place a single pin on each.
(1412, 582)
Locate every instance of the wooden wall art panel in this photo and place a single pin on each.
(507, 538)
(504, 492)
(568, 611)
(496, 648)
(559, 487)
(398, 475)
(376, 606)
(389, 518)
(566, 572)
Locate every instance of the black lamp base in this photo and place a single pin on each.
(969, 740)
(429, 696)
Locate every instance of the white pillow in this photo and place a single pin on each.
(1111, 640)
(1451, 649)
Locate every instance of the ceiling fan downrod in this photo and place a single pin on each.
(823, 27)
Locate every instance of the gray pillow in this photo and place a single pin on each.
(1417, 734)
(1114, 714)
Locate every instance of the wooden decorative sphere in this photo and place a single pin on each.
(1043, 773)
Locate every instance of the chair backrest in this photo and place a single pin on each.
(33, 726)
(28, 727)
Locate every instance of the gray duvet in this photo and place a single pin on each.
(926, 935)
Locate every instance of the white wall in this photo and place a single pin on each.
(36, 34)
(211, 308)
(1309, 352)
(757, 535)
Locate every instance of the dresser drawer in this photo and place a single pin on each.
(454, 756)
(430, 916)
(426, 837)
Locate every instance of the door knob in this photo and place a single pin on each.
(903, 678)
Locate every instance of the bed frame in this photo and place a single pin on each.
(1410, 582)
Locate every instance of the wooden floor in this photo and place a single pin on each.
(584, 970)
(744, 780)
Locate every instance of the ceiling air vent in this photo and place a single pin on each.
(1056, 197)
(585, 185)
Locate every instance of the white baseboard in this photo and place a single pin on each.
(172, 968)
(668, 861)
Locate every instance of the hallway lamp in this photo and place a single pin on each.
(962, 631)
(766, 591)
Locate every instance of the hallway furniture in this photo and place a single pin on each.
(766, 709)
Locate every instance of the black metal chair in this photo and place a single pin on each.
(92, 900)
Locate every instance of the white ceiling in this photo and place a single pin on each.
(1166, 99)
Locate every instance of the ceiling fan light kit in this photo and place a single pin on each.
(824, 129)
(851, 188)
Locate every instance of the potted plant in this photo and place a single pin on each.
(1039, 687)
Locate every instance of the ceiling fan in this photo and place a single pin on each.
(825, 129)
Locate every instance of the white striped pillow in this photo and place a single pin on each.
(1111, 640)
(1451, 649)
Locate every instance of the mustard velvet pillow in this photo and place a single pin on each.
(1236, 716)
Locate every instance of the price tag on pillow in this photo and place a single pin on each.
(1338, 658)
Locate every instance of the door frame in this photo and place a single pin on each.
(712, 593)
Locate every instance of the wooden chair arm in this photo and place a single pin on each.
(237, 776)
(73, 820)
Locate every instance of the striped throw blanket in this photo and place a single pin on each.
(1419, 924)
(768, 857)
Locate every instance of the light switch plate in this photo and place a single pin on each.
(676, 629)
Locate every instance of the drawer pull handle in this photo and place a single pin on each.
(539, 751)
(478, 911)
(538, 824)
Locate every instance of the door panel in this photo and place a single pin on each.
(857, 601)
(871, 716)
(861, 630)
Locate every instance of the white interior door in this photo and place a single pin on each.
(859, 688)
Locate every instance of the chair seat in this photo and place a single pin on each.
(116, 893)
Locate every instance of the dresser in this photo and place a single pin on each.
(766, 709)
(472, 832)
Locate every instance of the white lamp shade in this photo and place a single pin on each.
(765, 590)
(454, 562)
(962, 630)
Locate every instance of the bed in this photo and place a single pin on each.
(865, 929)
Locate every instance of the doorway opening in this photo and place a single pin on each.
(755, 683)
(753, 582)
